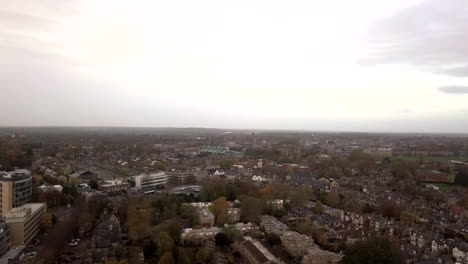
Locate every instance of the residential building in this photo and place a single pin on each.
(15, 189)
(253, 252)
(207, 219)
(460, 253)
(24, 222)
(234, 214)
(84, 176)
(105, 236)
(115, 185)
(297, 244)
(276, 203)
(202, 234)
(5, 238)
(319, 256)
(271, 225)
(148, 182)
(431, 176)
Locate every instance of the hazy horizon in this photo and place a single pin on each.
(360, 66)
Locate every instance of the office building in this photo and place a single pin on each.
(24, 222)
(184, 176)
(15, 189)
(5, 238)
(148, 182)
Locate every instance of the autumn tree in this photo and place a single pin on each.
(408, 217)
(333, 199)
(166, 258)
(138, 223)
(47, 222)
(220, 210)
(390, 209)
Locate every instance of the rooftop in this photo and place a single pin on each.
(19, 213)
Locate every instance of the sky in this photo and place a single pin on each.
(361, 65)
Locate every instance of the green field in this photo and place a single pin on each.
(428, 159)
(443, 186)
(452, 176)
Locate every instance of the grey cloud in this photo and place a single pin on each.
(430, 36)
(454, 89)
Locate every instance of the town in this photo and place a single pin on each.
(149, 195)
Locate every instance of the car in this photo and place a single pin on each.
(31, 254)
(73, 244)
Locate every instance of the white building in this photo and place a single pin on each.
(148, 182)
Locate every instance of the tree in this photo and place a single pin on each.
(462, 178)
(231, 233)
(464, 201)
(93, 184)
(220, 210)
(266, 191)
(47, 222)
(374, 250)
(166, 259)
(191, 179)
(226, 164)
(189, 212)
(182, 257)
(138, 223)
(251, 208)
(222, 240)
(164, 243)
(302, 195)
(202, 255)
(333, 199)
(390, 210)
(408, 217)
(318, 208)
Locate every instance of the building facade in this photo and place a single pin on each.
(24, 222)
(148, 182)
(15, 189)
(5, 237)
(181, 177)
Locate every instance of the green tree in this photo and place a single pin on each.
(93, 184)
(371, 251)
(182, 257)
(462, 178)
(189, 212)
(226, 164)
(251, 208)
(318, 208)
(164, 243)
(202, 255)
(222, 239)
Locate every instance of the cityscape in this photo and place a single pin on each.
(104, 195)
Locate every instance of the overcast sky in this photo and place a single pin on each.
(361, 65)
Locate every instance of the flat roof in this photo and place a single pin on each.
(19, 214)
(11, 254)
